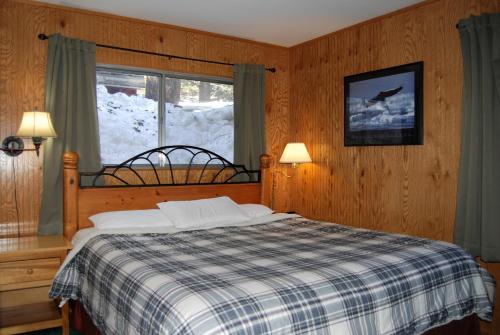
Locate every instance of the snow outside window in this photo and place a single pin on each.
(141, 111)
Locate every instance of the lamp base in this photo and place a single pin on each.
(12, 146)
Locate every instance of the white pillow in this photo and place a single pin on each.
(220, 211)
(130, 219)
(256, 210)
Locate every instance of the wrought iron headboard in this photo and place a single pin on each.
(160, 167)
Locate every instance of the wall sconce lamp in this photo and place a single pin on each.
(36, 125)
(294, 153)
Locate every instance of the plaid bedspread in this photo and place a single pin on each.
(292, 276)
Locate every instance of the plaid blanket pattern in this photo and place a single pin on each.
(292, 276)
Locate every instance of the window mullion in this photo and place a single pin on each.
(161, 118)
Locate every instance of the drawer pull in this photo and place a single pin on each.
(29, 271)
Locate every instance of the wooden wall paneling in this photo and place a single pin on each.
(382, 187)
(440, 122)
(277, 119)
(337, 125)
(22, 69)
(32, 165)
(321, 130)
(321, 148)
(196, 48)
(6, 193)
(16, 86)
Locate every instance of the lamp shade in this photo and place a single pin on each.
(295, 153)
(36, 124)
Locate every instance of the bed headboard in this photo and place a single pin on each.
(80, 202)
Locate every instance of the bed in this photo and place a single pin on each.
(277, 274)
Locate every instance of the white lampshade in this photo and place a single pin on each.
(295, 153)
(36, 124)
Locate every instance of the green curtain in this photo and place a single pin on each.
(477, 226)
(249, 114)
(70, 97)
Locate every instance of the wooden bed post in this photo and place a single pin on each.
(70, 194)
(266, 179)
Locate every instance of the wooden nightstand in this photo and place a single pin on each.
(27, 267)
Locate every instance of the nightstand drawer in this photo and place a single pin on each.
(30, 270)
(27, 267)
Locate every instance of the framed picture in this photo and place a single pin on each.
(384, 107)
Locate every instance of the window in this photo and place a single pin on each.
(141, 110)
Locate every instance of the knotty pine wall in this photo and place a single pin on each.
(22, 71)
(404, 189)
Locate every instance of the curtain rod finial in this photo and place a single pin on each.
(42, 36)
(272, 69)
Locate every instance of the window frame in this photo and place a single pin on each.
(161, 99)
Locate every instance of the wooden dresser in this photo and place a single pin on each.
(27, 267)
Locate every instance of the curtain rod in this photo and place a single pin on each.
(45, 37)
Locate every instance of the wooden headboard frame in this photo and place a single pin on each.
(80, 203)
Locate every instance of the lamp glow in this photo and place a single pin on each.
(295, 153)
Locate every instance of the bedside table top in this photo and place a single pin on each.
(33, 244)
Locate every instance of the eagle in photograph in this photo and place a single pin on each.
(382, 95)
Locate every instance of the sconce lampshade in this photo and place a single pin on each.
(36, 124)
(295, 153)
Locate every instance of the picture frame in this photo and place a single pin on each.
(384, 107)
